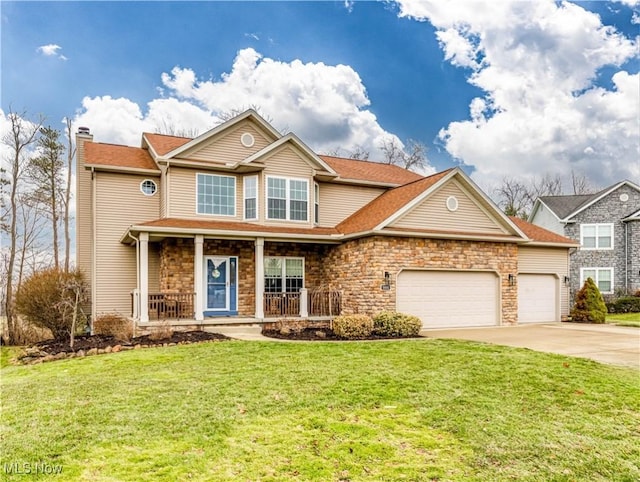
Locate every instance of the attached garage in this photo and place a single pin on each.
(537, 298)
(449, 299)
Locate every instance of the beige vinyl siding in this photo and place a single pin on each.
(84, 221)
(339, 201)
(183, 194)
(287, 161)
(432, 213)
(227, 146)
(547, 260)
(162, 187)
(115, 262)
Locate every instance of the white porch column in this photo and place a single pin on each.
(259, 253)
(198, 285)
(144, 277)
(304, 298)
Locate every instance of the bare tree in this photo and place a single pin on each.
(170, 129)
(71, 152)
(22, 133)
(580, 183)
(514, 197)
(413, 157)
(547, 185)
(30, 227)
(359, 153)
(46, 171)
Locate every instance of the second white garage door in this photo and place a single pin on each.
(449, 299)
(537, 298)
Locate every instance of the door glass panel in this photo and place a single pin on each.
(217, 284)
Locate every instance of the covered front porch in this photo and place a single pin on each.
(203, 280)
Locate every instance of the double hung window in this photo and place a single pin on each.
(216, 194)
(287, 199)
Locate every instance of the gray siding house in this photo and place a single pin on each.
(607, 226)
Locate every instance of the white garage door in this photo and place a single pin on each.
(537, 298)
(449, 299)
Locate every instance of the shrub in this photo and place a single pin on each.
(51, 299)
(353, 327)
(163, 331)
(391, 323)
(625, 304)
(113, 324)
(589, 305)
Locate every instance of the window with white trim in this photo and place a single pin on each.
(596, 236)
(283, 275)
(251, 197)
(287, 199)
(216, 194)
(148, 187)
(316, 204)
(602, 277)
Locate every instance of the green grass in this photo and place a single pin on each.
(8, 355)
(397, 410)
(624, 319)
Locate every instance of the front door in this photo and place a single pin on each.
(220, 284)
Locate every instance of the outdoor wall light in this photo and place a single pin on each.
(566, 280)
(387, 277)
(512, 280)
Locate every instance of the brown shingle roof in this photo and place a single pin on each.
(118, 156)
(164, 144)
(232, 226)
(541, 235)
(370, 171)
(382, 207)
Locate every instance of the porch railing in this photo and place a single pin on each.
(281, 304)
(319, 302)
(324, 302)
(175, 306)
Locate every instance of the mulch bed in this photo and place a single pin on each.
(318, 334)
(85, 343)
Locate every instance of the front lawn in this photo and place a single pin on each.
(624, 319)
(393, 410)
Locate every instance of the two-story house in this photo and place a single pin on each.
(607, 227)
(244, 224)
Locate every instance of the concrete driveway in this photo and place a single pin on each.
(616, 345)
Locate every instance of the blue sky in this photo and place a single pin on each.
(546, 76)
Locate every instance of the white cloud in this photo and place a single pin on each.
(51, 50)
(325, 105)
(541, 112)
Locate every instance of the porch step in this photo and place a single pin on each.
(240, 332)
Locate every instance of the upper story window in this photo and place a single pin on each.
(148, 187)
(596, 236)
(316, 205)
(287, 199)
(216, 194)
(251, 197)
(602, 277)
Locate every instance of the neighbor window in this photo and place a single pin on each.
(216, 194)
(602, 277)
(283, 275)
(596, 236)
(251, 197)
(287, 199)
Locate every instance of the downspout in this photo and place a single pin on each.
(167, 198)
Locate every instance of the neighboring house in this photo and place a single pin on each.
(243, 224)
(607, 227)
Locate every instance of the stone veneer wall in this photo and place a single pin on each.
(633, 237)
(177, 269)
(314, 259)
(610, 209)
(357, 267)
